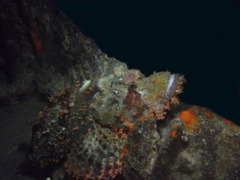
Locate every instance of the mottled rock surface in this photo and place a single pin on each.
(102, 119)
(42, 51)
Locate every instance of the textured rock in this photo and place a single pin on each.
(96, 123)
(43, 51)
(130, 124)
(103, 119)
(198, 144)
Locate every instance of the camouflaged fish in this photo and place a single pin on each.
(94, 126)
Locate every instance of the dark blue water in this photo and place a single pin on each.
(200, 39)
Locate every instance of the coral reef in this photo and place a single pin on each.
(125, 123)
(103, 119)
(95, 123)
(202, 143)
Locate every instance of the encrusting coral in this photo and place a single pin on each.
(122, 122)
(108, 120)
(93, 123)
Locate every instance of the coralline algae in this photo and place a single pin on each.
(93, 124)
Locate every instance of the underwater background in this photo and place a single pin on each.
(197, 38)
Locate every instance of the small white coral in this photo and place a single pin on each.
(86, 83)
